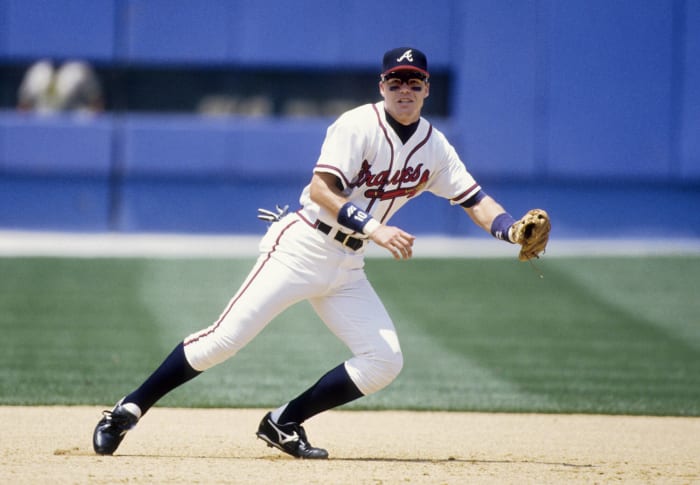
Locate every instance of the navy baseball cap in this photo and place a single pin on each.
(405, 59)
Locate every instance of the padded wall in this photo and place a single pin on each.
(495, 56)
(583, 103)
(689, 96)
(67, 28)
(610, 89)
(55, 172)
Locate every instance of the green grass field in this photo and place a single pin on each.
(596, 335)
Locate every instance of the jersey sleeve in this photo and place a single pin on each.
(453, 181)
(343, 148)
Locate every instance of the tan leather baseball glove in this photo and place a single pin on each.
(532, 233)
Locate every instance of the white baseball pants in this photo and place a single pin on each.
(297, 262)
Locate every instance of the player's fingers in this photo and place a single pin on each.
(398, 242)
(404, 247)
(394, 249)
(406, 244)
(408, 238)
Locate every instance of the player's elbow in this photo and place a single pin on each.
(325, 189)
(314, 189)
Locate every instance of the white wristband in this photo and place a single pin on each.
(371, 226)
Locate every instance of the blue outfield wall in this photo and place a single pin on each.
(589, 108)
(192, 174)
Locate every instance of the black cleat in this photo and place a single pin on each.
(111, 429)
(288, 437)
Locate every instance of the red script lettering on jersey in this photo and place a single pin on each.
(384, 178)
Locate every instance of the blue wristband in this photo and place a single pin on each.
(353, 217)
(500, 226)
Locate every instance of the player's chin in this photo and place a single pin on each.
(405, 108)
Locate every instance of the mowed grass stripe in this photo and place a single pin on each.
(603, 335)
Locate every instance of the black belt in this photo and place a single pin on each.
(353, 243)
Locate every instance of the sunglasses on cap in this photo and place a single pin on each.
(405, 76)
(394, 80)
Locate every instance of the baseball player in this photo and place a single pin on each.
(374, 159)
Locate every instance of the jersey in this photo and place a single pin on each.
(299, 260)
(379, 173)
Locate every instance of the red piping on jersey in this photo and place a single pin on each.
(312, 224)
(420, 145)
(464, 194)
(415, 149)
(242, 291)
(336, 170)
(391, 160)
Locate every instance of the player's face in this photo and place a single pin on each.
(404, 94)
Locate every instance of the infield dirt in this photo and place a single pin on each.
(211, 446)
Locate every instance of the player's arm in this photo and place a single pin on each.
(326, 193)
(485, 212)
(531, 231)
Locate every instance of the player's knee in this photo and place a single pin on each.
(371, 374)
(392, 367)
(386, 370)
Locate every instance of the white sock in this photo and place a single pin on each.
(133, 409)
(278, 412)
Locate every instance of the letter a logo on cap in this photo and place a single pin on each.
(404, 58)
(408, 55)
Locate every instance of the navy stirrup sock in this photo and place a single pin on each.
(332, 390)
(173, 372)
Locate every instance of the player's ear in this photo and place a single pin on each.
(427, 89)
(381, 89)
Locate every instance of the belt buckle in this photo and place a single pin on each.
(345, 240)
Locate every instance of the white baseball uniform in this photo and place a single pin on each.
(306, 255)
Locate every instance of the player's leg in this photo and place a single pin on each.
(356, 316)
(269, 288)
(360, 320)
(110, 430)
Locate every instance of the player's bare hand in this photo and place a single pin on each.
(398, 242)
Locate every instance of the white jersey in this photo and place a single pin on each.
(300, 260)
(379, 173)
(308, 256)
